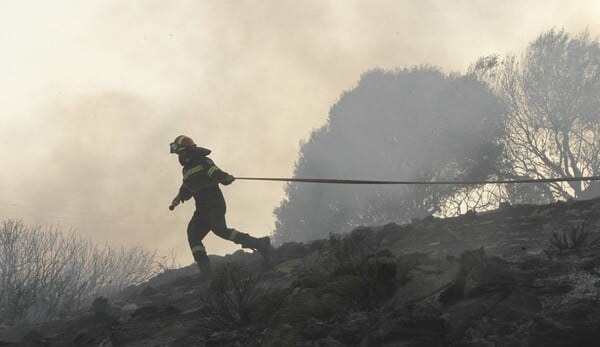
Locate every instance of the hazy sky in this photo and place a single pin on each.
(94, 91)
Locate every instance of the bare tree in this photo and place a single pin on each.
(553, 124)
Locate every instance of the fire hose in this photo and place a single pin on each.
(355, 181)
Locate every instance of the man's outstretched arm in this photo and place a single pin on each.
(215, 174)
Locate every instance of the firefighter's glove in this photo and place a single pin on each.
(227, 181)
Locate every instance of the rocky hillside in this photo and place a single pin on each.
(517, 276)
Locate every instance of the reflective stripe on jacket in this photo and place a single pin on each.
(200, 176)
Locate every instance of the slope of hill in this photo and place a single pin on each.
(519, 276)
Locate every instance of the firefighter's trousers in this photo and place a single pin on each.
(211, 217)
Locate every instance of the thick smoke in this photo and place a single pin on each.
(418, 124)
(93, 92)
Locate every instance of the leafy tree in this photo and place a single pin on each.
(552, 128)
(417, 123)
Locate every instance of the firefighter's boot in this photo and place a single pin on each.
(262, 245)
(203, 263)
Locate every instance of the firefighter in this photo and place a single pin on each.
(201, 178)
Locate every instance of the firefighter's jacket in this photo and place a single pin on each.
(200, 177)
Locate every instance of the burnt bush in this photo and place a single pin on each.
(574, 238)
(232, 294)
(351, 251)
(358, 254)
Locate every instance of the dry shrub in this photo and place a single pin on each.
(47, 274)
(351, 251)
(232, 293)
(575, 238)
(358, 254)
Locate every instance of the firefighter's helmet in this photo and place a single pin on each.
(180, 143)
